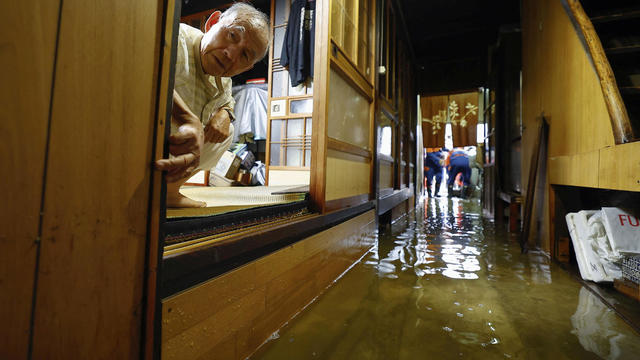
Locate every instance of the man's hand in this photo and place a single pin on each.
(185, 146)
(218, 127)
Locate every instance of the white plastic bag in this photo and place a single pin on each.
(594, 254)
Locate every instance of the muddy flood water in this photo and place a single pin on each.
(443, 284)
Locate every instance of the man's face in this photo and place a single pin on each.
(228, 50)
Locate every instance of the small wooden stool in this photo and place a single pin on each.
(514, 202)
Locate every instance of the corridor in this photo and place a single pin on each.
(444, 284)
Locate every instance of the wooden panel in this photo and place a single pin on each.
(288, 177)
(347, 175)
(575, 170)
(619, 167)
(348, 202)
(91, 274)
(346, 68)
(348, 148)
(197, 340)
(348, 115)
(230, 316)
(27, 47)
(386, 175)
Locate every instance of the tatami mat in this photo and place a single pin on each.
(225, 199)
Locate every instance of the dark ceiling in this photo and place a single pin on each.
(451, 38)
(445, 30)
(193, 6)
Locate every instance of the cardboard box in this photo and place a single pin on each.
(219, 181)
(228, 165)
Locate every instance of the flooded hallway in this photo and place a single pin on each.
(444, 283)
(320, 179)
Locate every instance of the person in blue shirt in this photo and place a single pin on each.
(458, 164)
(433, 167)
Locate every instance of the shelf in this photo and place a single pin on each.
(623, 50)
(616, 15)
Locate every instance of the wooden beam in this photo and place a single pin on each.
(168, 11)
(319, 138)
(620, 123)
(342, 146)
(531, 185)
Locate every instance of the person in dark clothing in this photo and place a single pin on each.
(299, 39)
(458, 164)
(433, 167)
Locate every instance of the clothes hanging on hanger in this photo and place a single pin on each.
(299, 39)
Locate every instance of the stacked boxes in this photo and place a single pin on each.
(631, 269)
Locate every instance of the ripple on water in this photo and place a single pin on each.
(406, 300)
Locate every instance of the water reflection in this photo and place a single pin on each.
(595, 326)
(446, 285)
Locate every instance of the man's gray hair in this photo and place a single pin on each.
(251, 19)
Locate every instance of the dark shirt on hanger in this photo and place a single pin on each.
(299, 39)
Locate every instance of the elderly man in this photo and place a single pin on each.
(201, 129)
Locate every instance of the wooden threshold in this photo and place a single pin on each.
(346, 202)
(184, 269)
(183, 229)
(397, 197)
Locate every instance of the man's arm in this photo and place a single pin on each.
(217, 129)
(185, 145)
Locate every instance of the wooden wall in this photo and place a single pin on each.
(288, 177)
(85, 277)
(385, 180)
(230, 316)
(347, 175)
(28, 32)
(560, 82)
